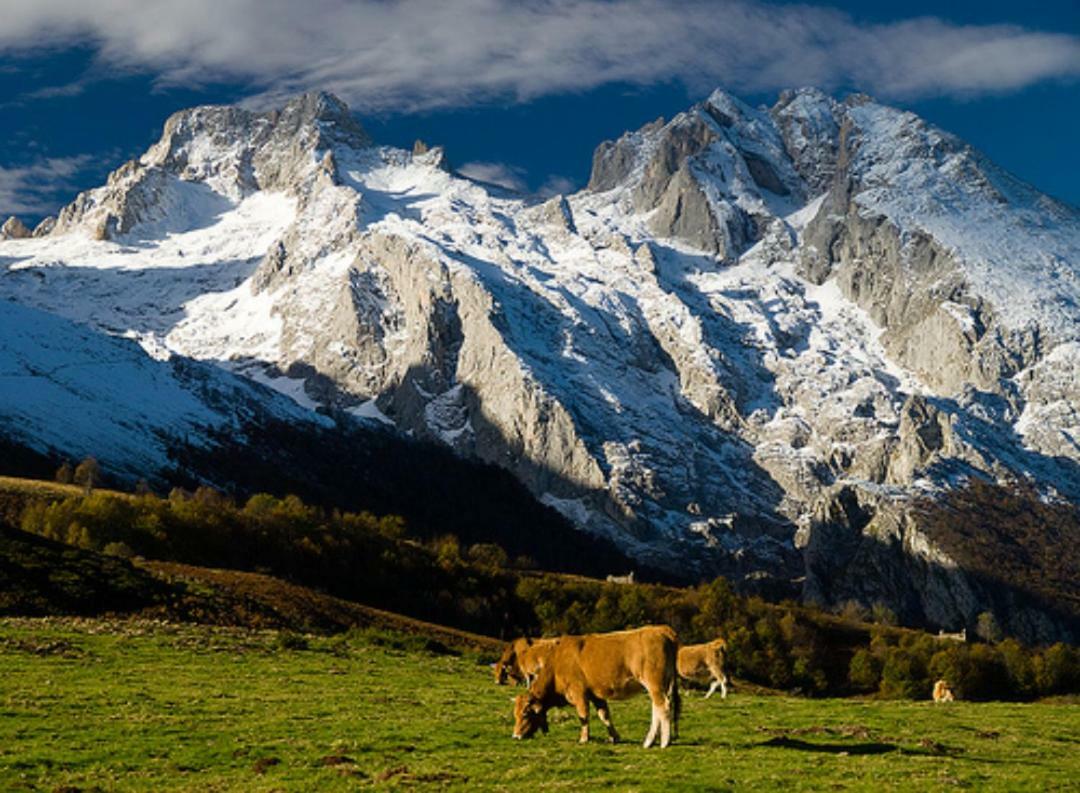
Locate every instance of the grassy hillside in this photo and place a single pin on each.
(370, 559)
(139, 705)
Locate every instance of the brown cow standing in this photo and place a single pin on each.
(700, 661)
(522, 659)
(602, 666)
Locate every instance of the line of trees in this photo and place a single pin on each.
(371, 559)
(87, 474)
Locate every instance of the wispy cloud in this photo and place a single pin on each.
(427, 53)
(557, 185)
(32, 189)
(509, 176)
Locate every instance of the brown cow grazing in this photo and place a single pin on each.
(522, 659)
(942, 692)
(705, 662)
(602, 666)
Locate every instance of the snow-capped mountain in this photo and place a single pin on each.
(750, 320)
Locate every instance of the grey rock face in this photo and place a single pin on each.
(809, 122)
(45, 227)
(614, 161)
(870, 548)
(256, 150)
(756, 327)
(236, 151)
(684, 138)
(683, 211)
(14, 229)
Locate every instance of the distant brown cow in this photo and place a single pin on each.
(705, 662)
(602, 666)
(942, 692)
(521, 660)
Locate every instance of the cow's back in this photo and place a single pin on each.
(612, 665)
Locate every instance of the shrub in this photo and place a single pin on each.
(904, 675)
(287, 640)
(65, 474)
(864, 672)
(87, 474)
(854, 611)
(121, 549)
(488, 555)
(883, 615)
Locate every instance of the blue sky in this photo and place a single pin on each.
(520, 92)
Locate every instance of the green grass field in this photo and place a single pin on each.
(128, 705)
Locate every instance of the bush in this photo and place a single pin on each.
(987, 628)
(904, 675)
(121, 549)
(287, 640)
(65, 474)
(864, 672)
(87, 474)
(488, 555)
(854, 611)
(883, 615)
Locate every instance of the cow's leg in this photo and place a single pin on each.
(665, 723)
(580, 701)
(658, 725)
(654, 726)
(663, 708)
(719, 679)
(605, 716)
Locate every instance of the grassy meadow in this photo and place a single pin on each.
(88, 704)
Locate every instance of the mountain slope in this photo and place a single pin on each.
(753, 341)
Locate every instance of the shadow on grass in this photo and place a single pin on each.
(783, 742)
(926, 748)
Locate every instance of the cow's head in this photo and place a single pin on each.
(530, 715)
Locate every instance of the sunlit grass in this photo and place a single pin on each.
(138, 706)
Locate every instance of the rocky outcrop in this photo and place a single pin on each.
(45, 227)
(809, 122)
(14, 229)
(232, 151)
(683, 211)
(242, 150)
(868, 547)
(615, 161)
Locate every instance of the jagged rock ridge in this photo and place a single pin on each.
(750, 318)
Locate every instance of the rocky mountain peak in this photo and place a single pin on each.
(14, 229)
(324, 111)
(748, 313)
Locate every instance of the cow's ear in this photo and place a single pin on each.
(528, 641)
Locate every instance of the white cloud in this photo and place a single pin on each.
(426, 53)
(32, 189)
(509, 176)
(557, 185)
